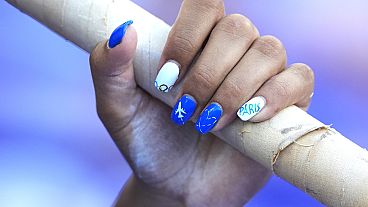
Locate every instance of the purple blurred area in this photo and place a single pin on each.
(55, 152)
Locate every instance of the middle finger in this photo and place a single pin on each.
(228, 42)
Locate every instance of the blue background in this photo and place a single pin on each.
(55, 152)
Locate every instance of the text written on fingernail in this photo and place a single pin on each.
(251, 108)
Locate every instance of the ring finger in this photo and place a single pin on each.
(265, 59)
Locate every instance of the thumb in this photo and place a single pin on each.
(114, 57)
(113, 76)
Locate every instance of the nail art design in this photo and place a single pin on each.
(183, 110)
(118, 34)
(167, 76)
(251, 108)
(209, 118)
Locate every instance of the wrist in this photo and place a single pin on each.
(136, 193)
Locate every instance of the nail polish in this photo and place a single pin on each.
(118, 34)
(167, 76)
(183, 110)
(209, 118)
(251, 108)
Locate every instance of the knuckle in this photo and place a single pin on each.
(112, 118)
(95, 59)
(204, 77)
(238, 26)
(92, 59)
(182, 42)
(215, 6)
(305, 71)
(280, 89)
(101, 113)
(270, 46)
(231, 90)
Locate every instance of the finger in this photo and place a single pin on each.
(265, 58)
(195, 22)
(113, 76)
(294, 86)
(114, 56)
(227, 43)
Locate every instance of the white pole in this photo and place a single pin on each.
(296, 146)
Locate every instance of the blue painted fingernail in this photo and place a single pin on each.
(209, 118)
(118, 34)
(183, 110)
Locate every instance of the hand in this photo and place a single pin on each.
(177, 165)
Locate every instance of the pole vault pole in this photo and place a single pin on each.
(294, 145)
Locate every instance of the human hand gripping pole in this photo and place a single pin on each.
(297, 147)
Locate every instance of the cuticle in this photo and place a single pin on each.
(191, 97)
(218, 104)
(175, 62)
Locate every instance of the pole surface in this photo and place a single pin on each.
(294, 145)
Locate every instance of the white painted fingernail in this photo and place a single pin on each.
(251, 108)
(167, 76)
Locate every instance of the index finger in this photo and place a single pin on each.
(192, 27)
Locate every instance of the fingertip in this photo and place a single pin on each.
(118, 34)
(264, 115)
(125, 50)
(112, 61)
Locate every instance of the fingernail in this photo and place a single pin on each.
(118, 34)
(167, 76)
(183, 110)
(251, 108)
(209, 118)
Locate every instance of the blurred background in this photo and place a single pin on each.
(55, 152)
